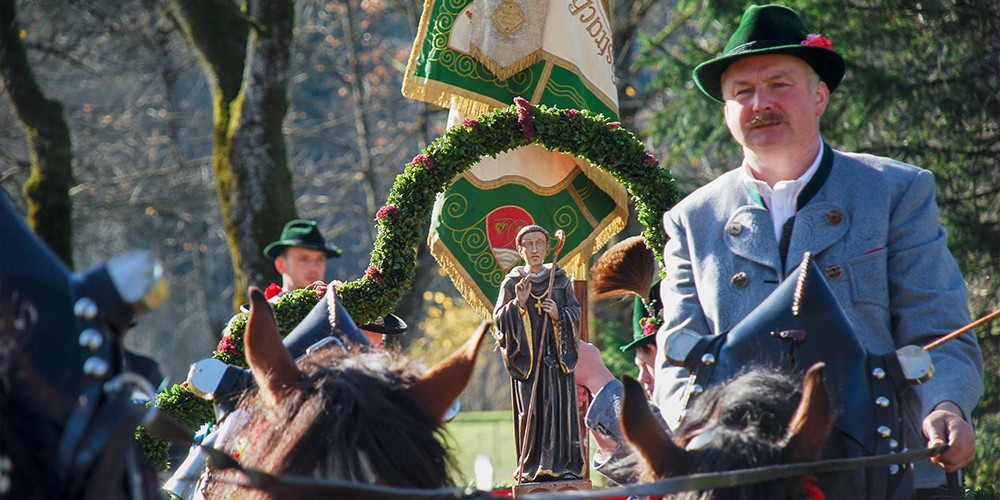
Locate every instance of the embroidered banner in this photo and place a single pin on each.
(475, 55)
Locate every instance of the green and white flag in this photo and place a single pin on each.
(473, 56)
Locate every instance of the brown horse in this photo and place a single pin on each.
(760, 418)
(360, 415)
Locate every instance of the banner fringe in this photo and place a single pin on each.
(505, 72)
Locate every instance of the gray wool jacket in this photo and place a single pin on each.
(871, 224)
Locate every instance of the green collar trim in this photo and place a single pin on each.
(819, 178)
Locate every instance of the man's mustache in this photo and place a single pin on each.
(767, 118)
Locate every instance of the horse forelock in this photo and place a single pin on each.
(747, 420)
(350, 419)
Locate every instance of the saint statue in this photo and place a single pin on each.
(537, 320)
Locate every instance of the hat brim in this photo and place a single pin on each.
(274, 249)
(390, 325)
(639, 342)
(828, 64)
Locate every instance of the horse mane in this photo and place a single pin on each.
(749, 419)
(351, 419)
(762, 417)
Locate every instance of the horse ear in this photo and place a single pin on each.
(437, 390)
(270, 362)
(643, 431)
(813, 419)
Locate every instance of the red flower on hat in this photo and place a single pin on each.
(271, 290)
(817, 40)
(650, 325)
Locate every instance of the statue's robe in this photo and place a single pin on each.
(553, 448)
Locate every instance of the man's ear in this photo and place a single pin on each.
(280, 264)
(822, 97)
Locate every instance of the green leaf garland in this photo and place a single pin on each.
(591, 136)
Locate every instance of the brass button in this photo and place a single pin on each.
(740, 279)
(834, 217)
(734, 228)
(833, 272)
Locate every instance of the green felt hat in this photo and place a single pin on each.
(646, 309)
(772, 29)
(300, 233)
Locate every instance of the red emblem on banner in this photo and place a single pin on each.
(502, 225)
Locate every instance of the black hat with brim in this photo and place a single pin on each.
(766, 30)
(300, 233)
(388, 325)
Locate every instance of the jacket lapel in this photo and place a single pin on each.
(749, 234)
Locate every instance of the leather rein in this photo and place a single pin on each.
(706, 481)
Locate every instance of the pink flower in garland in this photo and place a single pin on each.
(226, 346)
(649, 160)
(524, 118)
(422, 160)
(373, 273)
(470, 123)
(615, 124)
(321, 290)
(817, 40)
(387, 211)
(570, 114)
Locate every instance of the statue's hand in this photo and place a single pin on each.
(522, 289)
(549, 306)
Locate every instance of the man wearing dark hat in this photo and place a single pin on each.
(870, 223)
(300, 255)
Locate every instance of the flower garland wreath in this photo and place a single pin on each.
(591, 136)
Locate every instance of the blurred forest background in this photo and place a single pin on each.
(196, 128)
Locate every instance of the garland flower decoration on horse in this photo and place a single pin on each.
(591, 136)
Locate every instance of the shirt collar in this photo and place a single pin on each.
(792, 187)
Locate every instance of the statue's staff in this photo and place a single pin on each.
(560, 237)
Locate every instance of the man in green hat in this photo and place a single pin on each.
(870, 223)
(299, 255)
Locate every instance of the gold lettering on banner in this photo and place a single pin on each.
(572, 5)
(508, 18)
(587, 14)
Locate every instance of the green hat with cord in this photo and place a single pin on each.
(300, 233)
(772, 29)
(646, 319)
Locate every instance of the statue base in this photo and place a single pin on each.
(552, 486)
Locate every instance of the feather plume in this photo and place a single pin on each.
(626, 268)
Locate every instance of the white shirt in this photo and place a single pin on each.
(782, 199)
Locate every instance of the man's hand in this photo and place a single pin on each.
(945, 425)
(590, 371)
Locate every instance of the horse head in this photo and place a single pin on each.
(349, 413)
(759, 418)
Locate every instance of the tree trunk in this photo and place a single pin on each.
(247, 60)
(50, 210)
